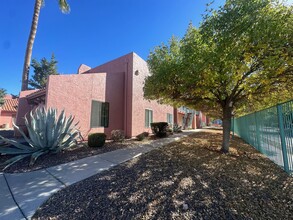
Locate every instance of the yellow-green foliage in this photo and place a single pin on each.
(240, 53)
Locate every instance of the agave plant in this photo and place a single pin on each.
(48, 133)
(177, 128)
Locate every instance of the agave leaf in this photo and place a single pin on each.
(60, 124)
(48, 133)
(36, 139)
(50, 126)
(76, 124)
(63, 123)
(68, 129)
(23, 135)
(69, 141)
(63, 138)
(13, 160)
(41, 126)
(31, 127)
(45, 127)
(16, 144)
(33, 133)
(35, 156)
(13, 150)
(68, 124)
(38, 132)
(58, 130)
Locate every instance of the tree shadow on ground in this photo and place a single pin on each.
(189, 179)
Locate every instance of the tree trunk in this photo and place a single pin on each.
(29, 47)
(227, 115)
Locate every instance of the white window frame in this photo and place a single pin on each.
(148, 118)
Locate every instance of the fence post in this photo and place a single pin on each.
(282, 135)
(233, 126)
(257, 133)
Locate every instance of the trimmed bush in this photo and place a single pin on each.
(142, 136)
(96, 140)
(117, 135)
(159, 128)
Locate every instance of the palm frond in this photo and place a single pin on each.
(64, 6)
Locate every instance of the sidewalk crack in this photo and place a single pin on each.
(55, 177)
(14, 197)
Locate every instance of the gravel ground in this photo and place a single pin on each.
(74, 153)
(189, 179)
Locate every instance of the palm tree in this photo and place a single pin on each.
(64, 7)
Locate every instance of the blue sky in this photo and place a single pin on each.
(94, 32)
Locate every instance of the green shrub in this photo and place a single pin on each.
(159, 128)
(48, 133)
(142, 136)
(117, 135)
(96, 140)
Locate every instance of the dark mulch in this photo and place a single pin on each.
(74, 153)
(7, 133)
(189, 179)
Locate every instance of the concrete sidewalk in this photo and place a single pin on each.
(22, 193)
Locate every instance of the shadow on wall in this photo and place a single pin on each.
(115, 94)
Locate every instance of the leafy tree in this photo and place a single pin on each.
(241, 52)
(2, 94)
(64, 7)
(41, 72)
(281, 94)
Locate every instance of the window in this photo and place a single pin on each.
(169, 118)
(99, 114)
(148, 118)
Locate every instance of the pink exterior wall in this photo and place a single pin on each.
(201, 119)
(114, 82)
(204, 118)
(193, 124)
(120, 65)
(139, 104)
(6, 118)
(75, 93)
(23, 108)
(180, 119)
(135, 104)
(198, 120)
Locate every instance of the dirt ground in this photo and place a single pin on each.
(189, 179)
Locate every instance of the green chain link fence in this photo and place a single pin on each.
(270, 131)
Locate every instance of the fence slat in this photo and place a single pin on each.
(283, 141)
(270, 131)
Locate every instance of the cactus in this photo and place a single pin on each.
(48, 133)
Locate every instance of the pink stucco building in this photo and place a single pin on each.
(8, 111)
(103, 98)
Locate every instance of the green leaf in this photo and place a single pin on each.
(13, 160)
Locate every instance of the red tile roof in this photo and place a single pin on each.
(40, 92)
(10, 105)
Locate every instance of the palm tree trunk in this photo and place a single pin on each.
(30, 43)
